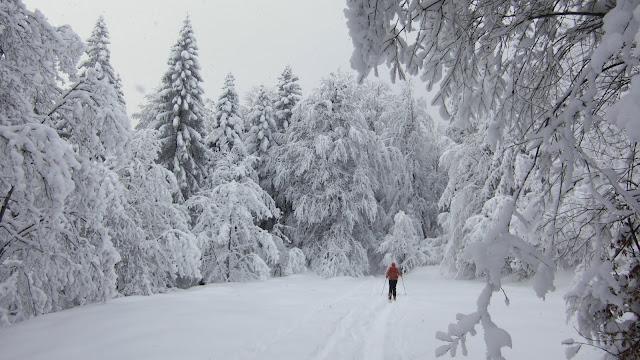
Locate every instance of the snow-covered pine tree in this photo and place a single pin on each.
(403, 245)
(228, 126)
(227, 213)
(115, 194)
(97, 52)
(263, 125)
(179, 114)
(325, 174)
(289, 93)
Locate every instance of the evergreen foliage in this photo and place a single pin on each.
(98, 52)
(289, 94)
(228, 127)
(179, 115)
(263, 126)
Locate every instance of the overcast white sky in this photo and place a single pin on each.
(253, 39)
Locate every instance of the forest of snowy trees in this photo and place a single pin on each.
(529, 169)
(542, 98)
(201, 190)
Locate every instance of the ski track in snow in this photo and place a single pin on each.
(339, 332)
(396, 332)
(375, 345)
(354, 332)
(285, 331)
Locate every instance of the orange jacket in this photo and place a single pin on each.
(393, 273)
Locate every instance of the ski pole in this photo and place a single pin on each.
(384, 282)
(404, 287)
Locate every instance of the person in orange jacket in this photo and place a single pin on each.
(393, 274)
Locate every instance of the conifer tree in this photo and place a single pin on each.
(228, 125)
(289, 93)
(179, 114)
(262, 123)
(97, 52)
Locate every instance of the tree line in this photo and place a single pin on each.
(341, 181)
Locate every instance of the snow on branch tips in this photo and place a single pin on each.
(542, 100)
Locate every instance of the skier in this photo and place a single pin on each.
(392, 274)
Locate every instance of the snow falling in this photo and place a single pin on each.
(260, 224)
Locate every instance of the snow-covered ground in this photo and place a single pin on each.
(297, 317)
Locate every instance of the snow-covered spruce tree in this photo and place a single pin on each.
(227, 213)
(403, 244)
(152, 256)
(262, 124)
(559, 124)
(46, 263)
(324, 173)
(97, 52)
(179, 116)
(228, 126)
(161, 252)
(289, 94)
(285, 97)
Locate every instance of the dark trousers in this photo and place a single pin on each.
(392, 288)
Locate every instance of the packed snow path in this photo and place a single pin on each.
(297, 317)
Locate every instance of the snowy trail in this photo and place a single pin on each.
(356, 333)
(374, 348)
(285, 331)
(298, 317)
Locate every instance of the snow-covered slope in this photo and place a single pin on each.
(297, 317)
